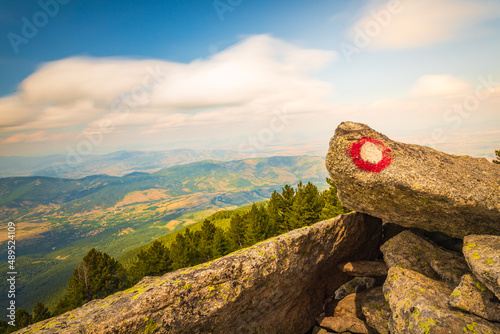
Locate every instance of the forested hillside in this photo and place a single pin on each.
(99, 275)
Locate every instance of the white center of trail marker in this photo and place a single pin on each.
(371, 153)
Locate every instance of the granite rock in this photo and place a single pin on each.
(482, 253)
(412, 185)
(276, 286)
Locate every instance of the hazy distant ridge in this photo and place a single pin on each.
(116, 163)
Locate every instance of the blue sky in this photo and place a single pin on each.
(258, 76)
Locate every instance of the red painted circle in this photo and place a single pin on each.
(355, 153)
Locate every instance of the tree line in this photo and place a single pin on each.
(100, 275)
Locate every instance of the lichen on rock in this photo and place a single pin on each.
(376, 309)
(419, 304)
(482, 253)
(411, 251)
(473, 296)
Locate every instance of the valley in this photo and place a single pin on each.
(59, 220)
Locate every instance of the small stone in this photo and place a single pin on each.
(345, 324)
(473, 296)
(364, 268)
(349, 306)
(357, 284)
(330, 307)
(319, 330)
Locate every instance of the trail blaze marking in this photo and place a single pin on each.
(370, 155)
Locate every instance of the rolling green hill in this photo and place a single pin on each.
(59, 220)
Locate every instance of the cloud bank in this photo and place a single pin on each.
(257, 94)
(255, 75)
(420, 23)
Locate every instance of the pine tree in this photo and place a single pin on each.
(98, 276)
(236, 232)
(220, 245)
(307, 206)
(276, 212)
(154, 261)
(288, 196)
(5, 328)
(23, 318)
(258, 225)
(496, 160)
(332, 207)
(40, 312)
(193, 251)
(206, 238)
(179, 252)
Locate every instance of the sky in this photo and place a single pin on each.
(93, 77)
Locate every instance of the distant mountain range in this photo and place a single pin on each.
(117, 163)
(58, 220)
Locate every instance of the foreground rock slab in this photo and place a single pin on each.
(272, 287)
(419, 304)
(473, 296)
(482, 253)
(414, 186)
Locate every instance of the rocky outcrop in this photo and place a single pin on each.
(482, 253)
(302, 281)
(276, 286)
(473, 296)
(410, 251)
(414, 186)
(419, 305)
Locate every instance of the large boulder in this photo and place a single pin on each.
(414, 186)
(276, 286)
(482, 253)
(410, 251)
(419, 304)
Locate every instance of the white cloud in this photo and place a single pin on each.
(418, 23)
(252, 76)
(443, 85)
(39, 136)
